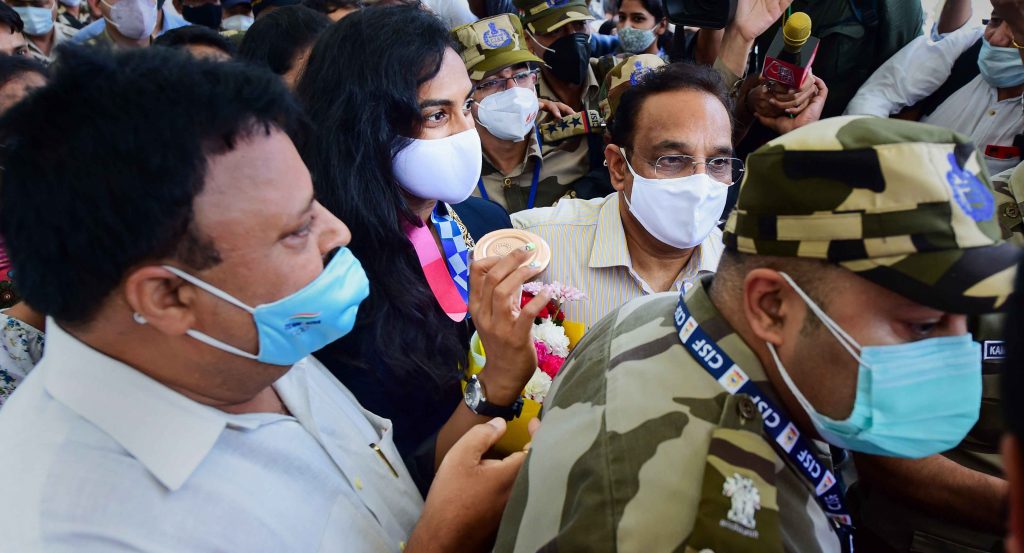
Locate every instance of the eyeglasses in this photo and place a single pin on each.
(726, 170)
(527, 78)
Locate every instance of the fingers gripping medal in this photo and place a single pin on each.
(502, 242)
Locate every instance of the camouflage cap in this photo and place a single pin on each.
(905, 205)
(492, 44)
(625, 74)
(543, 16)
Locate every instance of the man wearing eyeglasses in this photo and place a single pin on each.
(671, 165)
(43, 31)
(505, 105)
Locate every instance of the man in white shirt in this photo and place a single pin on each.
(987, 107)
(671, 164)
(169, 414)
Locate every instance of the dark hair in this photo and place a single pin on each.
(275, 39)
(77, 212)
(360, 87)
(653, 7)
(12, 66)
(668, 78)
(11, 18)
(328, 6)
(199, 35)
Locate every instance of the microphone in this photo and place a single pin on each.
(791, 54)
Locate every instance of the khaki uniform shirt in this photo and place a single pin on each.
(512, 190)
(568, 159)
(639, 442)
(61, 33)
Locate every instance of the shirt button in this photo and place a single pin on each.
(992, 113)
(401, 545)
(1011, 211)
(359, 483)
(746, 407)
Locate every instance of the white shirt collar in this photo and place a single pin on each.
(167, 432)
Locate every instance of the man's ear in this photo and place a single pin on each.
(616, 167)
(160, 299)
(765, 295)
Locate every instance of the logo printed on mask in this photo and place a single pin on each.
(733, 379)
(556, 3)
(788, 437)
(497, 38)
(969, 192)
(297, 324)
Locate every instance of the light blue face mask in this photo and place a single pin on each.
(913, 400)
(1000, 67)
(297, 325)
(38, 21)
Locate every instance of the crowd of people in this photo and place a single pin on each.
(248, 277)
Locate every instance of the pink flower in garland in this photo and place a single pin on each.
(547, 362)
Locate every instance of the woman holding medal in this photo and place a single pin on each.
(395, 153)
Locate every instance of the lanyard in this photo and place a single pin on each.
(455, 251)
(447, 275)
(533, 186)
(776, 423)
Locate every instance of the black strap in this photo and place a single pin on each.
(965, 69)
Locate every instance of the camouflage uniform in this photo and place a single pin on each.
(640, 445)
(1009, 186)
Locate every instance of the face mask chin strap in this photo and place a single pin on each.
(195, 334)
(845, 340)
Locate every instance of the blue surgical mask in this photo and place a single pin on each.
(295, 326)
(1000, 67)
(913, 400)
(38, 21)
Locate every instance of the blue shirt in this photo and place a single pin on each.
(171, 21)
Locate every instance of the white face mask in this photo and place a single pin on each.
(237, 23)
(135, 19)
(509, 114)
(679, 212)
(446, 169)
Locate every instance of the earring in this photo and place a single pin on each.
(139, 318)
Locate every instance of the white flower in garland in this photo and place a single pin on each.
(553, 337)
(538, 386)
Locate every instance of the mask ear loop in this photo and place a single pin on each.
(195, 334)
(844, 339)
(537, 42)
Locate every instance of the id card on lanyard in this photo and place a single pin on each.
(777, 425)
